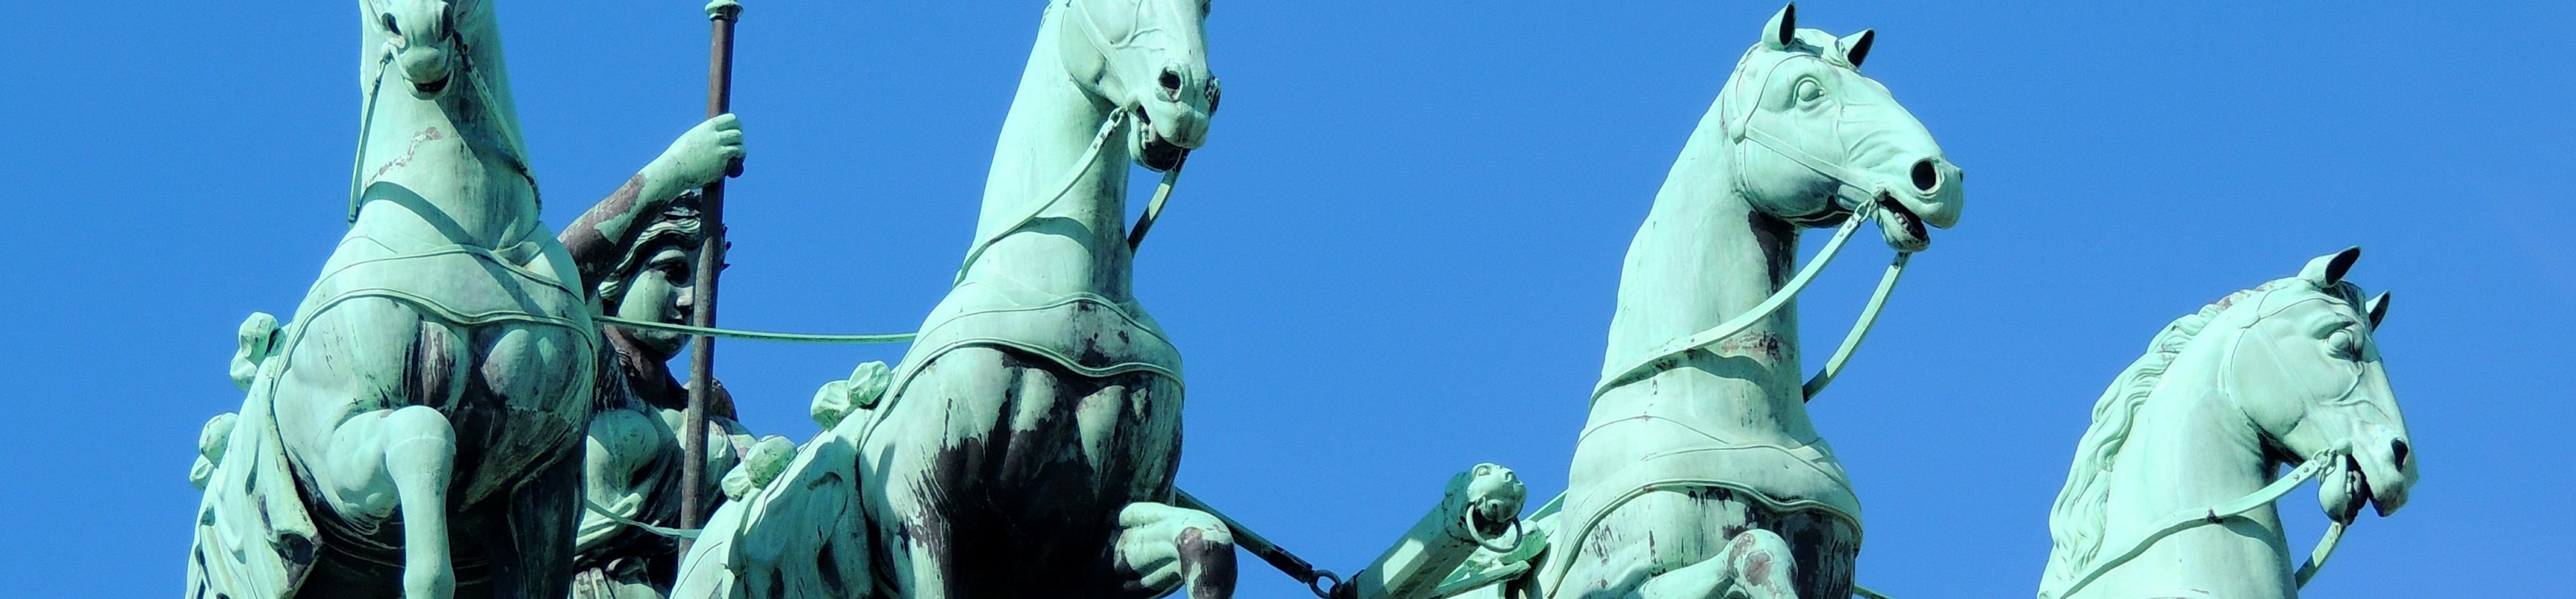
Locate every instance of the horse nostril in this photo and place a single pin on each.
(1926, 178)
(1214, 91)
(1171, 85)
(2397, 452)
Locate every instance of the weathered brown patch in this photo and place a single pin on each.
(1211, 573)
(426, 135)
(1757, 570)
(1779, 242)
(1762, 343)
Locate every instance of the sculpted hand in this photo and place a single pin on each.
(709, 151)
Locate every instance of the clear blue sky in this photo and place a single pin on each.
(1397, 256)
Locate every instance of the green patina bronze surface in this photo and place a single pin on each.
(1698, 473)
(2171, 490)
(968, 470)
(465, 404)
(417, 429)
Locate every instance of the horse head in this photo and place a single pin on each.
(446, 57)
(2307, 373)
(1814, 140)
(426, 45)
(1148, 57)
(423, 41)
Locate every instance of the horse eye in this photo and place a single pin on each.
(2345, 345)
(1809, 90)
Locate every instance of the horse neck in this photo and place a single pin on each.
(454, 154)
(2191, 448)
(1703, 256)
(1081, 241)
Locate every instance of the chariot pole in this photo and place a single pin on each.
(702, 354)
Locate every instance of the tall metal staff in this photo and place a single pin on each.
(702, 356)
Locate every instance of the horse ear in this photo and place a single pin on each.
(2330, 268)
(2378, 309)
(1782, 28)
(1856, 46)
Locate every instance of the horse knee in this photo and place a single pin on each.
(1755, 565)
(1166, 548)
(1763, 564)
(418, 441)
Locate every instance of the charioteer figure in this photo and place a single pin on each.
(638, 249)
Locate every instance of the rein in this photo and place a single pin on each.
(2217, 514)
(367, 123)
(1866, 208)
(1654, 359)
(1090, 156)
(1082, 166)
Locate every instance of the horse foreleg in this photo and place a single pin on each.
(420, 458)
(1756, 565)
(1160, 548)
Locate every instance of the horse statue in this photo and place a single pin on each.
(1698, 473)
(1027, 442)
(417, 428)
(2171, 491)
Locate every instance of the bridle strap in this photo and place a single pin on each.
(1082, 166)
(366, 123)
(2190, 519)
(514, 154)
(1154, 209)
(1848, 188)
(1860, 328)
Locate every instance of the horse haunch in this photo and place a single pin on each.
(1003, 473)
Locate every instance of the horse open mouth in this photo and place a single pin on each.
(1155, 152)
(1901, 227)
(430, 88)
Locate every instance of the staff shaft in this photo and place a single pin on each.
(702, 357)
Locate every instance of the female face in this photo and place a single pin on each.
(662, 291)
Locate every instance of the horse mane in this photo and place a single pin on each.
(2075, 523)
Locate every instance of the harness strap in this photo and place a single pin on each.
(757, 335)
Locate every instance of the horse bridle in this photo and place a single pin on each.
(2335, 461)
(1090, 155)
(1864, 207)
(367, 116)
(1847, 186)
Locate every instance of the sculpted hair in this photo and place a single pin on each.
(2075, 523)
(678, 224)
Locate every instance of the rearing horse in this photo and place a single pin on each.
(428, 400)
(1027, 443)
(1696, 465)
